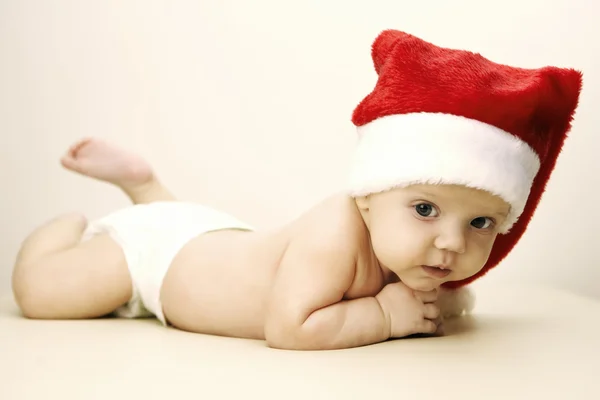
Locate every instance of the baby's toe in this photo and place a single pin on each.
(70, 163)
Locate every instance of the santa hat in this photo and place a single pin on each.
(439, 115)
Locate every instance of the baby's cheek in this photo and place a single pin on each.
(385, 250)
(483, 243)
(479, 247)
(473, 266)
(389, 252)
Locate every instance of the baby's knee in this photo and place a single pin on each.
(24, 291)
(31, 288)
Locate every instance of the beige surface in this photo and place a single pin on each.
(534, 344)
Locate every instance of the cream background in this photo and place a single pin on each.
(245, 105)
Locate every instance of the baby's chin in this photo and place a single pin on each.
(422, 285)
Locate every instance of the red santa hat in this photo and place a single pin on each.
(439, 115)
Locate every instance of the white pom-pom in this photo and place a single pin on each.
(455, 302)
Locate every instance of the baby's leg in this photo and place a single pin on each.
(57, 277)
(106, 162)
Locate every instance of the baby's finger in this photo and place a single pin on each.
(431, 311)
(440, 329)
(427, 297)
(427, 326)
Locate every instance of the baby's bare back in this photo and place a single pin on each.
(219, 282)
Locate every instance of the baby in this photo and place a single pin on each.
(454, 153)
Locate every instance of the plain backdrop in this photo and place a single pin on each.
(246, 105)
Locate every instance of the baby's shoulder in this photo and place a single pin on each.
(333, 224)
(333, 238)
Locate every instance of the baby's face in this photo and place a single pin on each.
(417, 228)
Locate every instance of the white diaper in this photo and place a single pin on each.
(151, 235)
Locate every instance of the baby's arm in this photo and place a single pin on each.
(306, 308)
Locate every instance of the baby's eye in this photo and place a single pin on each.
(482, 222)
(426, 210)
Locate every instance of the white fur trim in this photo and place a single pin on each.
(399, 150)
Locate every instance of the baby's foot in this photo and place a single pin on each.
(98, 159)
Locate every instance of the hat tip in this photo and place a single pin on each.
(384, 44)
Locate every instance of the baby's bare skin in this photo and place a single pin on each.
(338, 276)
(239, 283)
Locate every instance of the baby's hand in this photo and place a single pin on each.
(407, 311)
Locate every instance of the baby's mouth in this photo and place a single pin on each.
(436, 271)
